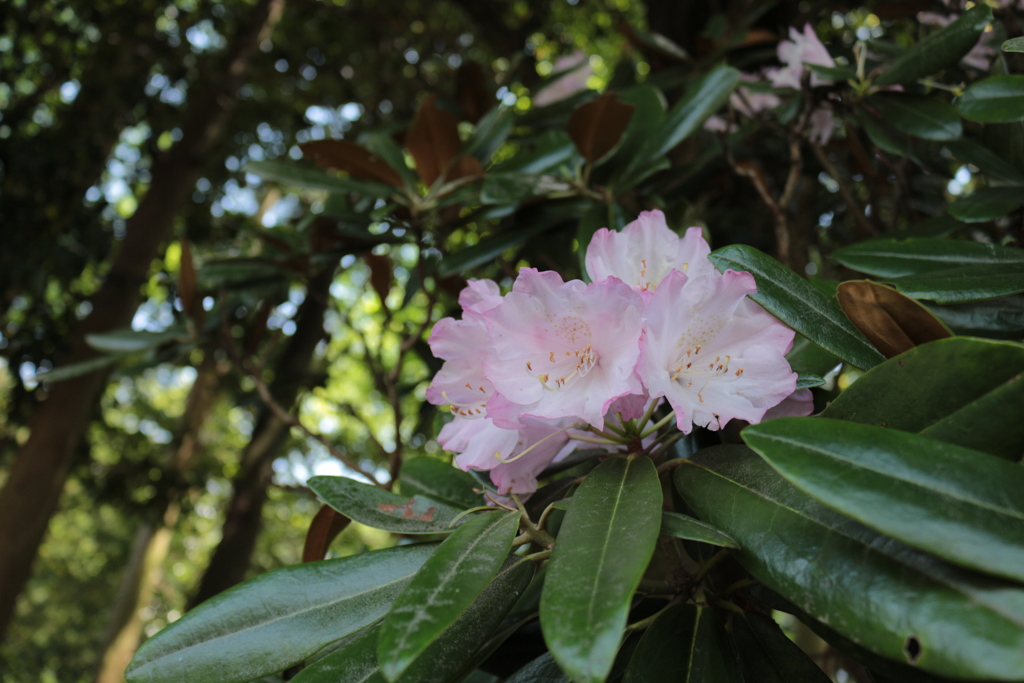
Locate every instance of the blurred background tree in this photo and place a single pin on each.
(218, 338)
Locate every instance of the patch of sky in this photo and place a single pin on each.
(960, 180)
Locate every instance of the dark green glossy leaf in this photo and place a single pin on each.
(807, 358)
(996, 99)
(278, 619)
(439, 481)
(702, 99)
(690, 529)
(797, 303)
(1001, 318)
(987, 204)
(887, 597)
(898, 258)
(382, 509)
(603, 547)
(964, 284)
(1014, 45)
(687, 644)
(449, 657)
(835, 74)
(65, 372)
(505, 188)
(985, 159)
(544, 669)
(297, 174)
(808, 381)
(923, 117)
(884, 136)
(767, 655)
(595, 218)
(910, 487)
(127, 341)
(550, 150)
(444, 588)
(650, 110)
(491, 131)
(939, 226)
(973, 402)
(940, 50)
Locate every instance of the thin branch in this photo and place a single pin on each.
(866, 226)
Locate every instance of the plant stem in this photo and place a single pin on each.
(709, 565)
(658, 425)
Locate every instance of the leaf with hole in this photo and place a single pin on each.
(278, 619)
(892, 322)
(800, 305)
(380, 509)
(894, 600)
(602, 550)
(443, 589)
(973, 402)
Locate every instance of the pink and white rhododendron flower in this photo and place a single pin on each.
(645, 251)
(801, 48)
(712, 353)
(565, 349)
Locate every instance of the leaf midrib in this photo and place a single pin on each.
(1009, 512)
(1015, 619)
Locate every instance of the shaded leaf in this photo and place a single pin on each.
(987, 204)
(474, 90)
(985, 159)
(1001, 318)
(439, 481)
(341, 155)
(597, 126)
(889, 598)
(506, 188)
(996, 99)
(690, 529)
(800, 305)
(187, 284)
(906, 486)
(298, 174)
(884, 136)
(901, 257)
(767, 655)
(922, 116)
(892, 322)
(591, 577)
(964, 284)
(544, 669)
(444, 588)
(1013, 45)
(973, 402)
(66, 372)
(129, 341)
(269, 623)
(491, 131)
(940, 50)
(687, 643)
(381, 509)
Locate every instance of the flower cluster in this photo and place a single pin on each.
(553, 362)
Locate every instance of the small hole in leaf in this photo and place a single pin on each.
(912, 649)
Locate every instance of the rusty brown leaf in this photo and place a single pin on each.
(187, 281)
(325, 527)
(894, 323)
(340, 155)
(380, 274)
(472, 90)
(433, 139)
(597, 126)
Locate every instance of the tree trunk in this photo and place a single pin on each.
(243, 519)
(37, 475)
(153, 540)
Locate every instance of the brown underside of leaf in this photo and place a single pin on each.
(472, 91)
(187, 281)
(380, 274)
(597, 126)
(433, 139)
(894, 323)
(325, 527)
(340, 155)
